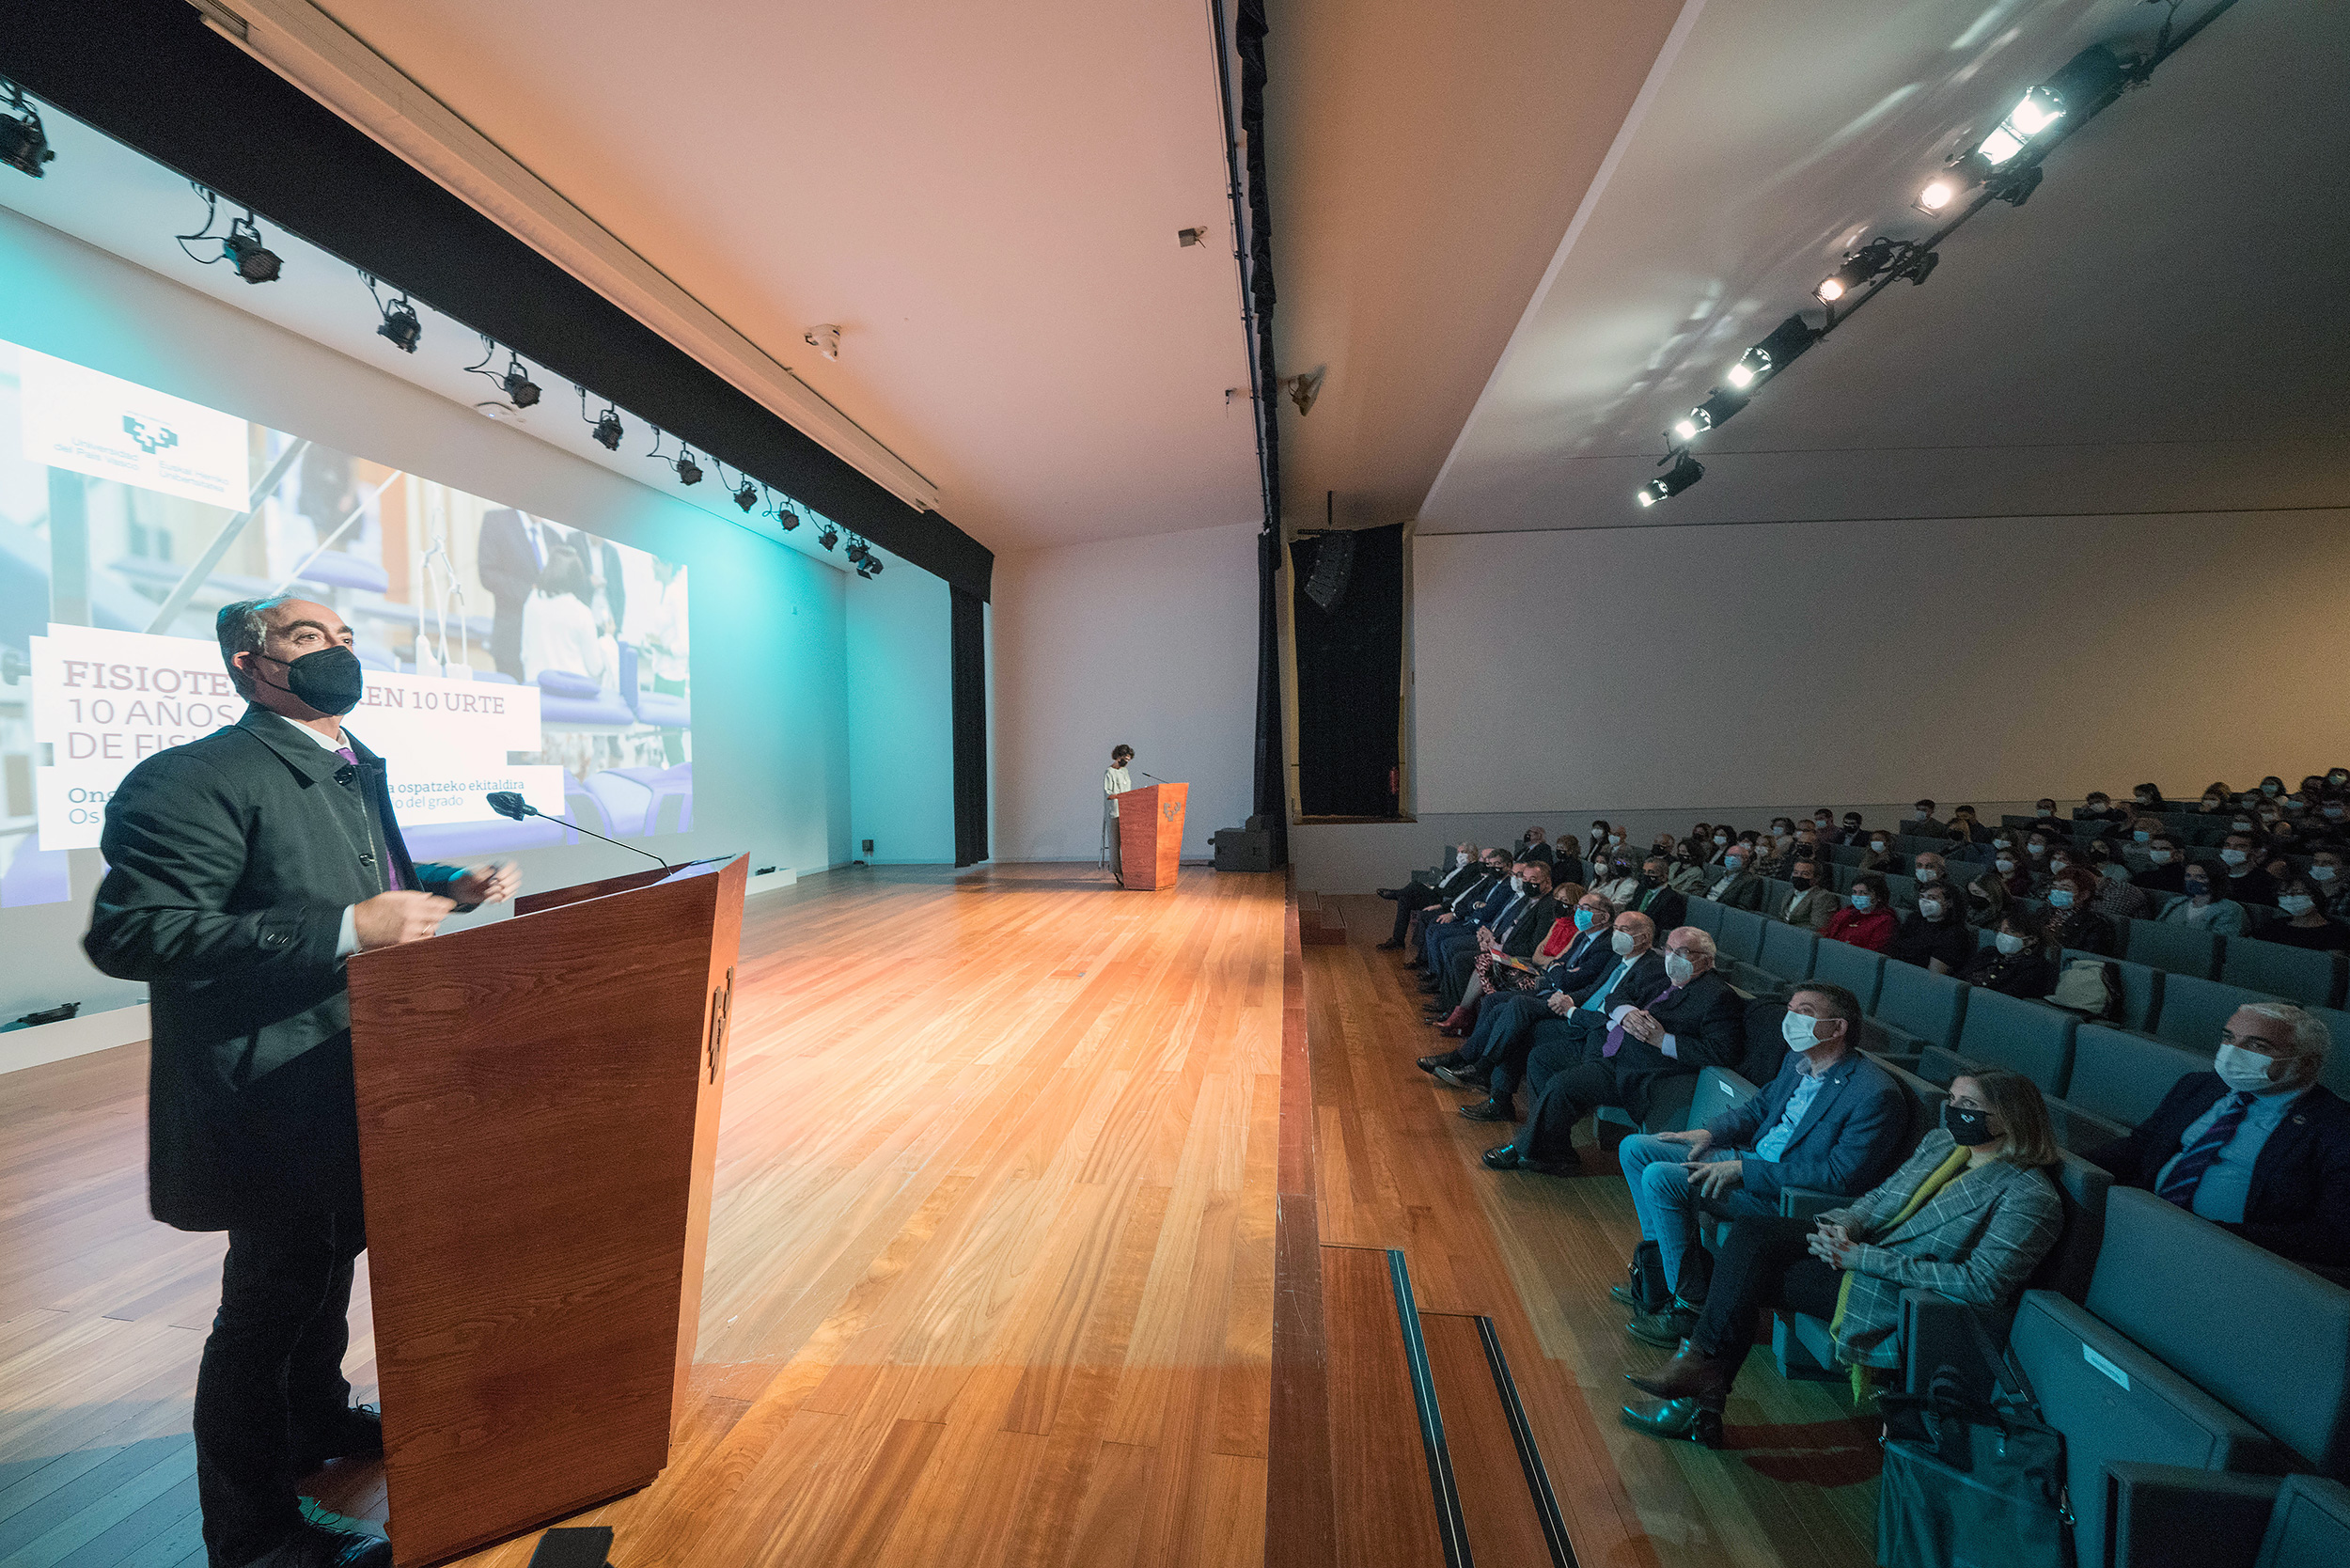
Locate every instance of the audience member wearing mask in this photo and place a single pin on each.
(1970, 1215)
(1812, 904)
(1521, 921)
(2329, 869)
(2008, 861)
(1964, 828)
(1986, 897)
(2017, 963)
(2306, 923)
(1604, 840)
(1923, 823)
(1934, 935)
(1723, 842)
(2246, 882)
(2257, 1145)
(2037, 846)
(1536, 845)
(1853, 831)
(1738, 886)
(1876, 852)
(2074, 921)
(1584, 961)
(1420, 895)
(2204, 903)
(1832, 1120)
(1691, 1022)
(2149, 800)
(1618, 880)
(1476, 913)
(1868, 920)
(1655, 896)
(1823, 824)
(1689, 876)
(2217, 797)
(2045, 818)
(2118, 897)
(2165, 865)
(1493, 868)
(2098, 808)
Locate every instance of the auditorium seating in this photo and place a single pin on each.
(2027, 1037)
(2296, 974)
(2161, 1515)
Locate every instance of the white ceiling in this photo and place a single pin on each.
(984, 198)
(2159, 329)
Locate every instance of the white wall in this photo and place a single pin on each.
(901, 765)
(1683, 668)
(1150, 641)
(770, 733)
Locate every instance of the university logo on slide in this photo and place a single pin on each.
(110, 428)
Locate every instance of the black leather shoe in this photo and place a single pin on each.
(1435, 1064)
(1430, 985)
(1678, 1419)
(1508, 1158)
(1416, 963)
(1492, 1110)
(1460, 1075)
(1665, 1329)
(359, 1435)
(1387, 893)
(316, 1545)
(1389, 947)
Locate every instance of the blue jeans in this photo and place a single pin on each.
(1669, 1204)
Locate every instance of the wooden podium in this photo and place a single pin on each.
(1150, 835)
(537, 1117)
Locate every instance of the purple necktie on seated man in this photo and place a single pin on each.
(1615, 1033)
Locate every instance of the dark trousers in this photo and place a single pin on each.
(1521, 1025)
(273, 1372)
(1765, 1263)
(1418, 896)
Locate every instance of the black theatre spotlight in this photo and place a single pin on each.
(1707, 414)
(400, 322)
(520, 389)
(255, 261)
(829, 537)
(787, 515)
(688, 471)
(1858, 268)
(747, 496)
(2081, 86)
(1771, 355)
(24, 143)
(1685, 472)
(607, 431)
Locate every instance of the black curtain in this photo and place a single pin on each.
(1255, 219)
(967, 684)
(1350, 679)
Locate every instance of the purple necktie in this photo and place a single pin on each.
(392, 879)
(1616, 1034)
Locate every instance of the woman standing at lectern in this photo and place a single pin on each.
(1115, 783)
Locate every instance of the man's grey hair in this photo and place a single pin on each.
(241, 626)
(2311, 1041)
(1697, 940)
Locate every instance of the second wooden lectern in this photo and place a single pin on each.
(1150, 835)
(538, 1119)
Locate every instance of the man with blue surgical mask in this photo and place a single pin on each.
(1507, 1021)
(1739, 886)
(1831, 1121)
(2257, 1145)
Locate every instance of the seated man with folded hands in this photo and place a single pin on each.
(1832, 1120)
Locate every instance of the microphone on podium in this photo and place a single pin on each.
(1151, 777)
(507, 803)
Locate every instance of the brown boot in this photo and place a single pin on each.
(1691, 1373)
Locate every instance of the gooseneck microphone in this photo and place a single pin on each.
(506, 803)
(1151, 777)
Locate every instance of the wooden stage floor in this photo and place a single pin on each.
(991, 1267)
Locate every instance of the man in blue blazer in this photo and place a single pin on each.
(1492, 904)
(1509, 1014)
(2258, 1146)
(1832, 1120)
(1493, 868)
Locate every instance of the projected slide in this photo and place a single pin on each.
(503, 651)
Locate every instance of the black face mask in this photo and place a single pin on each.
(1800, 883)
(1968, 1128)
(330, 680)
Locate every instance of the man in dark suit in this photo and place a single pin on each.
(1449, 931)
(1738, 887)
(1633, 968)
(1692, 1021)
(511, 552)
(1516, 931)
(1420, 895)
(1657, 900)
(242, 870)
(1832, 1119)
(2258, 1146)
(1493, 868)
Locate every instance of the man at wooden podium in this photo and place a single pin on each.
(242, 870)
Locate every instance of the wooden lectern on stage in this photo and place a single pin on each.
(537, 1117)
(1150, 835)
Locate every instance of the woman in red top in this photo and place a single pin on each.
(1868, 922)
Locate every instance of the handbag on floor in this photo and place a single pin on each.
(1969, 1481)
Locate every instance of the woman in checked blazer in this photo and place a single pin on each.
(1969, 1215)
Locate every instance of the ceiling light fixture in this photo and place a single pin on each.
(688, 471)
(747, 496)
(787, 515)
(23, 141)
(513, 380)
(400, 323)
(240, 247)
(2081, 86)
(606, 433)
(1858, 268)
(1707, 414)
(1685, 472)
(1773, 354)
(828, 537)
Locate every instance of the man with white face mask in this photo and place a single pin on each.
(1831, 1120)
(2257, 1145)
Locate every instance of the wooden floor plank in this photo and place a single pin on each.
(1386, 1509)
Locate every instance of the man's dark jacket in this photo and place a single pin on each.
(230, 863)
(1707, 1020)
(2299, 1203)
(1852, 1135)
